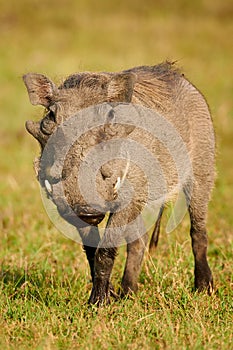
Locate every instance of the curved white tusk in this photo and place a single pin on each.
(48, 187)
(117, 184)
(125, 172)
(120, 181)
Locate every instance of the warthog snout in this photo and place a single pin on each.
(89, 214)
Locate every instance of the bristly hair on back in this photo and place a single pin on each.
(155, 85)
(166, 71)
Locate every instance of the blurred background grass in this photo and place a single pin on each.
(59, 37)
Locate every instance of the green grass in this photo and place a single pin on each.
(45, 279)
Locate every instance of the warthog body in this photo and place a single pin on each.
(164, 90)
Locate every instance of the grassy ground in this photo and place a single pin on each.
(44, 276)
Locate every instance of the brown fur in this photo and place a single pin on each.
(164, 89)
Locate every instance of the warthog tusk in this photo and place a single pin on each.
(48, 187)
(120, 181)
(125, 172)
(117, 184)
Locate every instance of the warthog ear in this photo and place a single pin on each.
(120, 88)
(40, 89)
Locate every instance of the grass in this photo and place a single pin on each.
(45, 279)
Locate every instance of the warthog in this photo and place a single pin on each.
(175, 101)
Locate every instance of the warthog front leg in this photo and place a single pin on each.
(104, 260)
(90, 238)
(115, 232)
(135, 253)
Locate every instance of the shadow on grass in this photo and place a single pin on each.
(48, 287)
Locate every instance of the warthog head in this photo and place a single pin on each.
(78, 91)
